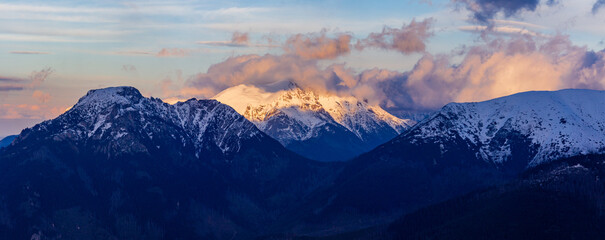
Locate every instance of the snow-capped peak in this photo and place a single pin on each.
(556, 124)
(294, 115)
(258, 105)
(111, 95)
(116, 114)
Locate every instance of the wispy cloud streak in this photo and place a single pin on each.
(29, 52)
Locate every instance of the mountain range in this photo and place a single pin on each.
(121, 166)
(460, 148)
(322, 127)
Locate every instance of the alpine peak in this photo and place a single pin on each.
(303, 119)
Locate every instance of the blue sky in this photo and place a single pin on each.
(93, 44)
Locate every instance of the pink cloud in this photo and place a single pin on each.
(504, 65)
(29, 111)
(319, 45)
(408, 39)
(41, 96)
(172, 52)
(258, 70)
(240, 38)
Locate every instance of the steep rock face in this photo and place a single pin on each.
(119, 165)
(461, 148)
(320, 126)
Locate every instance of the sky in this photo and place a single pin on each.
(406, 55)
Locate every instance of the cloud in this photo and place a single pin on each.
(238, 39)
(38, 77)
(11, 79)
(11, 84)
(6, 88)
(129, 68)
(172, 52)
(502, 66)
(164, 52)
(222, 44)
(257, 70)
(408, 39)
(496, 27)
(140, 8)
(29, 111)
(31, 29)
(485, 10)
(134, 53)
(44, 38)
(378, 86)
(42, 97)
(499, 30)
(505, 66)
(597, 5)
(172, 90)
(318, 45)
(30, 16)
(517, 24)
(29, 52)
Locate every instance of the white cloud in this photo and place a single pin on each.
(42, 38)
(499, 29)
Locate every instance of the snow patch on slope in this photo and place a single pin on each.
(311, 109)
(559, 124)
(102, 113)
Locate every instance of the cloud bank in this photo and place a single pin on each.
(408, 39)
(495, 68)
(502, 67)
(318, 45)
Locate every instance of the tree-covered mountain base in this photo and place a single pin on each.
(561, 200)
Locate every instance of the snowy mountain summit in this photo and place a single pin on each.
(125, 122)
(532, 127)
(319, 126)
